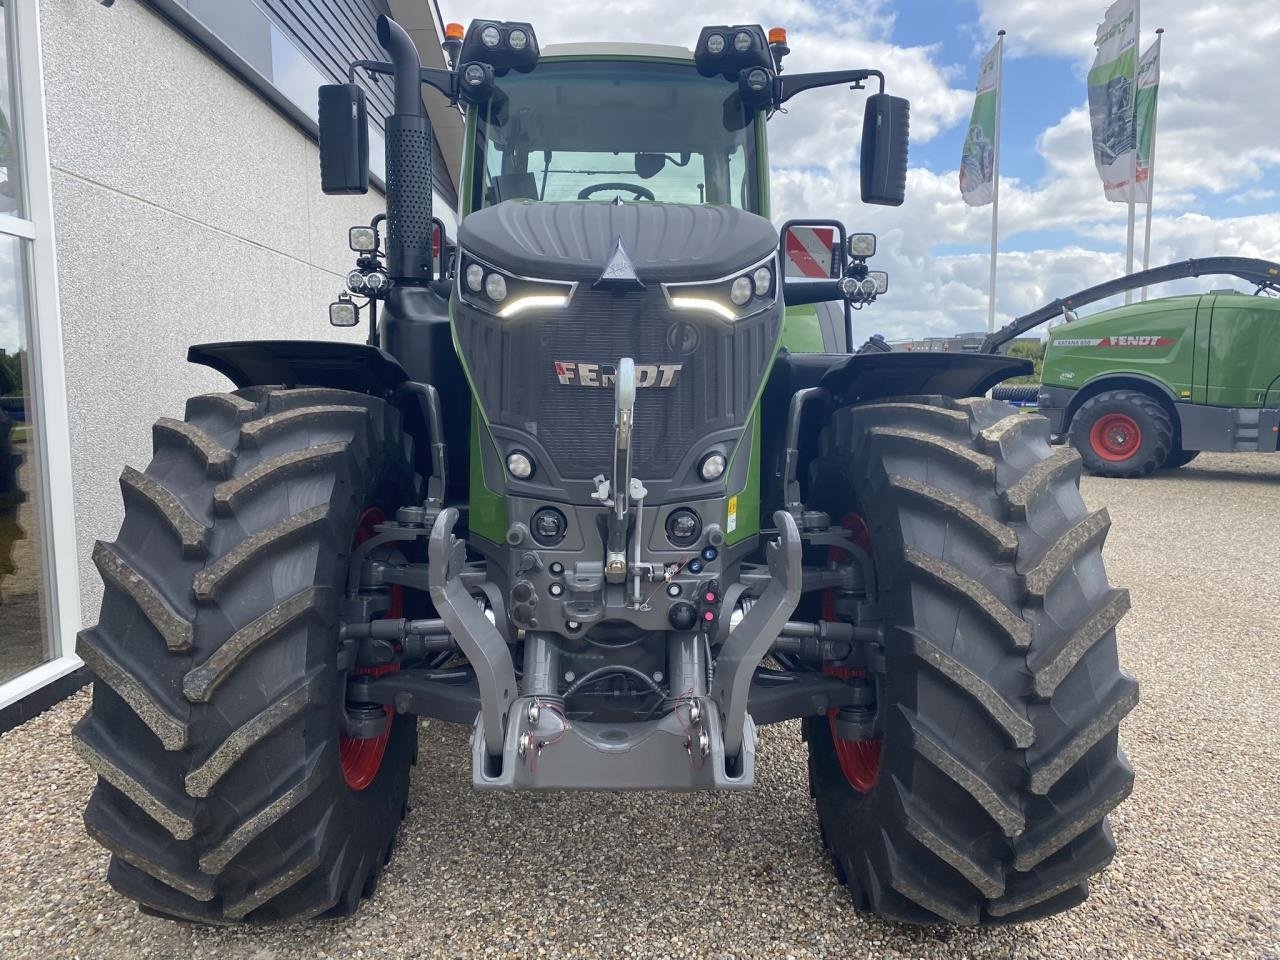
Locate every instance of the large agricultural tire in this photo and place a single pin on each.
(1121, 433)
(215, 724)
(1178, 458)
(998, 707)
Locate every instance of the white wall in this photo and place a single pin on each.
(186, 210)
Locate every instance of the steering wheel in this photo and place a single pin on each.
(642, 193)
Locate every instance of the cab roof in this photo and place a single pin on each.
(615, 51)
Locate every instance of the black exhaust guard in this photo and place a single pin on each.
(409, 156)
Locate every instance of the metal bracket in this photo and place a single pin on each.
(748, 644)
(479, 639)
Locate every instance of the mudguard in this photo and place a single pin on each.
(860, 378)
(313, 363)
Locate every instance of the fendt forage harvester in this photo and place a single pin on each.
(575, 493)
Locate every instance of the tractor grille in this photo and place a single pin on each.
(514, 366)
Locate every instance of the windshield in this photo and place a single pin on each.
(603, 129)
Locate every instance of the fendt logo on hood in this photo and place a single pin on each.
(575, 373)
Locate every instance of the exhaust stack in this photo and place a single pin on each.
(409, 162)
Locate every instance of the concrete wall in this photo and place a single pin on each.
(186, 210)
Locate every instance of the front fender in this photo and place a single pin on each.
(312, 363)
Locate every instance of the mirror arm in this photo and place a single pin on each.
(796, 293)
(794, 83)
(445, 81)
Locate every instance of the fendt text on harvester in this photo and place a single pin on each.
(583, 492)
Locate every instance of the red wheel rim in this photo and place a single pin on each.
(859, 759)
(1115, 437)
(361, 757)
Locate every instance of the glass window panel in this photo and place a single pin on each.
(10, 184)
(24, 630)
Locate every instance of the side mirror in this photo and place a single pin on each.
(884, 149)
(344, 139)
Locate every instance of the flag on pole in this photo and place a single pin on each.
(977, 160)
(1148, 90)
(1112, 82)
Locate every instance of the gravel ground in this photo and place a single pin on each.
(743, 875)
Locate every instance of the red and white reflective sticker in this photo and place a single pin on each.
(810, 252)
(1117, 341)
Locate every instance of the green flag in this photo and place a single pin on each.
(977, 159)
(1148, 90)
(1111, 99)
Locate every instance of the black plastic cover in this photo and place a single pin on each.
(312, 363)
(885, 135)
(344, 139)
(572, 241)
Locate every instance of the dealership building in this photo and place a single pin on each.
(159, 186)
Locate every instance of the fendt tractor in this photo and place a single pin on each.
(574, 494)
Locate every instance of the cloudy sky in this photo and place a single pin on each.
(1218, 149)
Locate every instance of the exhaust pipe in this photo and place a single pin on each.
(409, 155)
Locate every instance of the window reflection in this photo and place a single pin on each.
(23, 630)
(10, 187)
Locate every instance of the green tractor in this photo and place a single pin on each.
(574, 494)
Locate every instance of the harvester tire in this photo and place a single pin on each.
(217, 705)
(1179, 458)
(1121, 433)
(998, 705)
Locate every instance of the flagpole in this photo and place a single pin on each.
(1151, 172)
(995, 184)
(1133, 167)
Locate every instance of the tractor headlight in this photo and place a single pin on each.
(520, 465)
(715, 44)
(742, 41)
(355, 281)
(490, 36)
(518, 39)
(712, 466)
(485, 287)
(735, 297)
(763, 280)
(882, 281)
(495, 287)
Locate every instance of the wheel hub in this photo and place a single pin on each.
(1115, 437)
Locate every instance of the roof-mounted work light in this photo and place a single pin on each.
(730, 50)
(502, 45)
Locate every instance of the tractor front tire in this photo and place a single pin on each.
(1121, 433)
(215, 727)
(985, 799)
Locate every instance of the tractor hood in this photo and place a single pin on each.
(669, 242)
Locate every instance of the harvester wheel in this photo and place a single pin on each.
(1179, 458)
(1121, 433)
(216, 720)
(999, 702)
